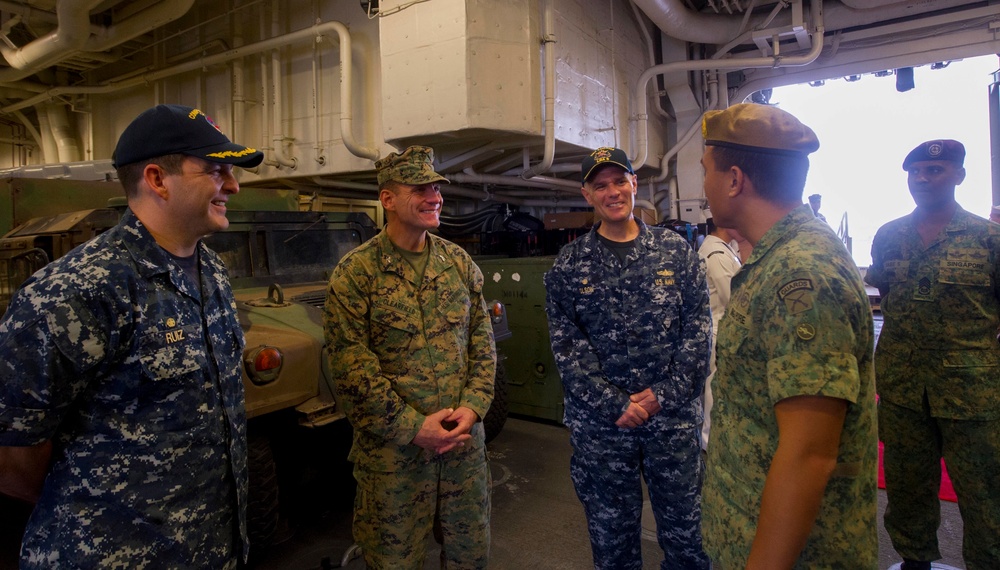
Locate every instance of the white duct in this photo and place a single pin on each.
(62, 133)
(777, 60)
(677, 21)
(49, 151)
(548, 46)
(278, 136)
(75, 34)
(69, 36)
(307, 34)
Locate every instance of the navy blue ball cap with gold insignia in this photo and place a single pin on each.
(941, 149)
(602, 157)
(176, 129)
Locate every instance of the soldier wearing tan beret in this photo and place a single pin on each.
(792, 455)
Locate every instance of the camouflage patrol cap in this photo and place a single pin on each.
(758, 128)
(941, 149)
(415, 165)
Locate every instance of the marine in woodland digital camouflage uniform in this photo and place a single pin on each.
(619, 328)
(402, 347)
(132, 369)
(938, 372)
(798, 324)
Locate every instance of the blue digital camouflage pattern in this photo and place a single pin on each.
(109, 353)
(938, 372)
(798, 323)
(617, 330)
(401, 349)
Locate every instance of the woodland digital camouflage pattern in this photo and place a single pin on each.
(938, 368)
(400, 350)
(104, 352)
(798, 323)
(415, 165)
(615, 332)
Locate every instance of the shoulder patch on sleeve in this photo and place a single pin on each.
(797, 295)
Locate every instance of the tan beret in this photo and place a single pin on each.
(414, 166)
(758, 128)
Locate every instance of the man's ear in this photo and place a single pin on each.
(153, 176)
(387, 198)
(960, 176)
(586, 195)
(737, 181)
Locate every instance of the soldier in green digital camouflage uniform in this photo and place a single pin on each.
(938, 362)
(792, 456)
(412, 354)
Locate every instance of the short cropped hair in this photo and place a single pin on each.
(130, 175)
(777, 178)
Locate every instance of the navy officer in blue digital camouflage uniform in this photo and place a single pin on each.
(629, 319)
(121, 403)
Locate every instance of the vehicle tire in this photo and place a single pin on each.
(262, 500)
(496, 416)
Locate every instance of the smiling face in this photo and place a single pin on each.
(198, 196)
(932, 182)
(414, 209)
(611, 192)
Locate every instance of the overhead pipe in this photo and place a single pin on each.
(677, 21)
(776, 60)
(65, 141)
(306, 34)
(276, 77)
(550, 99)
(69, 36)
(75, 34)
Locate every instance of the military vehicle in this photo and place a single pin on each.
(278, 263)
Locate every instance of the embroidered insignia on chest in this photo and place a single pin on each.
(171, 323)
(805, 331)
(797, 295)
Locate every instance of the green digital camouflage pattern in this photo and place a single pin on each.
(133, 371)
(941, 310)
(401, 349)
(913, 450)
(798, 323)
(938, 373)
(459, 490)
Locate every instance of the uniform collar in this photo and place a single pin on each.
(151, 259)
(799, 216)
(391, 261)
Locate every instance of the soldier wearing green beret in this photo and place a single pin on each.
(792, 455)
(412, 355)
(938, 362)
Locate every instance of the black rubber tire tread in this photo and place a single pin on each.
(496, 416)
(262, 502)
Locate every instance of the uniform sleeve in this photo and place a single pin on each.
(875, 276)
(813, 333)
(365, 393)
(576, 359)
(691, 355)
(477, 394)
(49, 348)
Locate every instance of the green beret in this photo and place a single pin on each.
(758, 128)
(415, 166)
